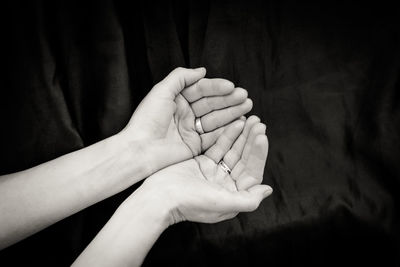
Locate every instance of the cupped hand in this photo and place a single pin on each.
(166, 116)
(200, 190)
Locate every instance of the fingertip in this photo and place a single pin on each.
(254, 119)
(268, 191)
(258, 128)
(249, 102)
(201, 69)
(250, 122)
(248, 105)
(261, 140)
(239, 124)
(241, 93)
(199, 73)
(180, 78)
(261, 189)
(228, 84)
(264, 127)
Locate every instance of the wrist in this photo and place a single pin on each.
(153, 202)
(133, 155)
(154, 154)
(130, 233)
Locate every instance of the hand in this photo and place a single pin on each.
(166, 116)
(200, 190)
(196, 190)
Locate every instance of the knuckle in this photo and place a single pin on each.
(233, 112)
(203, 83)
(209, 104)
(226, 101)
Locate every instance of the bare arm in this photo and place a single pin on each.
(33, 199)
(131, 232)
(194, 190)
(160, 133)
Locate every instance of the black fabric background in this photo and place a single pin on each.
(324, 77)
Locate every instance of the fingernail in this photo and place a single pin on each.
(200, 68)
(268, 191)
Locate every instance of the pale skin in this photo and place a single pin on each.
(196, 190)
(160, 133)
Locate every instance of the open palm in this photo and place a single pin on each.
(204, 192)
(167, 114)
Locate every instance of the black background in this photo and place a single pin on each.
(324, 76)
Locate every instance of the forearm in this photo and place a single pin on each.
(33, 199)
(128, 236)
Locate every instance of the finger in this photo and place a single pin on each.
(228, 183)
(234, 154)
(207, 104)
(209, 139)
(219, 118)
(224, 180)
(257, 129)
(227, 216)
(246, 200)
(207, 87)
(255, 165)
(177, 80)
(250, 122)
(258, 157)
(225, 141)
(238, 170)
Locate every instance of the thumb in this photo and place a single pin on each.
(179, 79)
(249, 200)
(260, 190)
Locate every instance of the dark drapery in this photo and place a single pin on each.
(324, 77)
